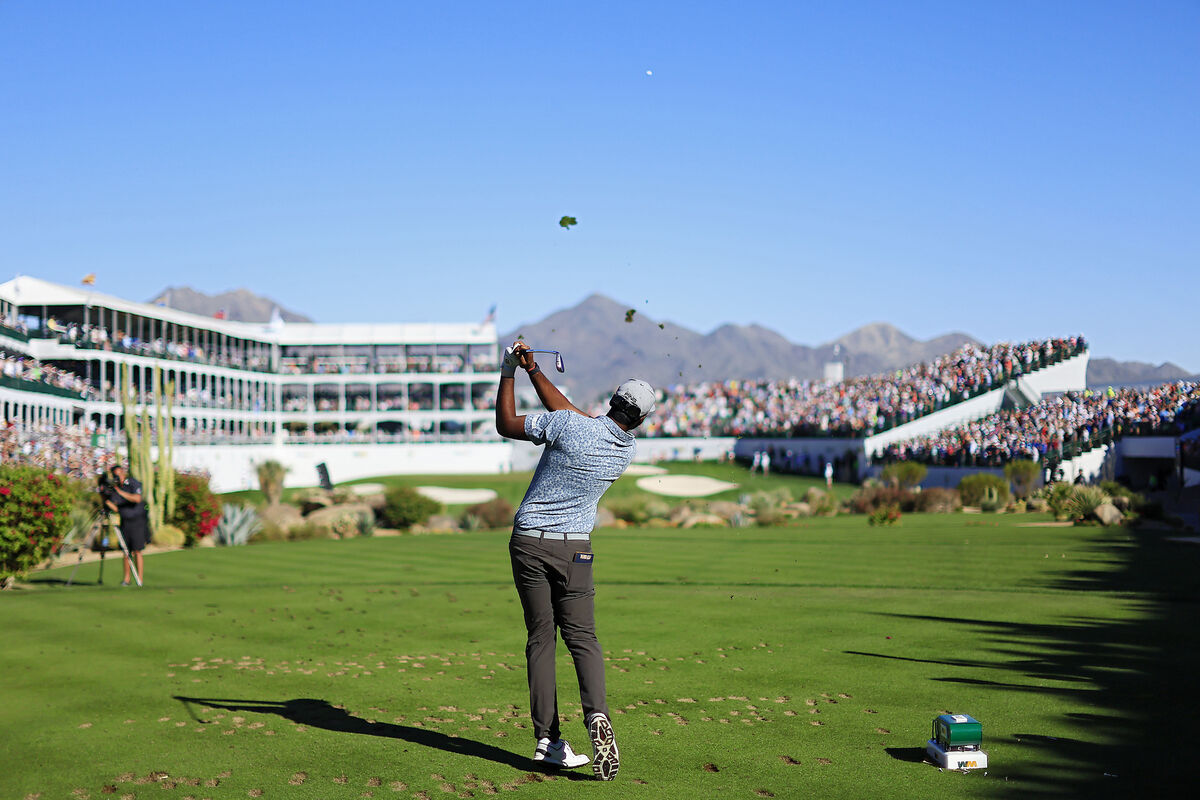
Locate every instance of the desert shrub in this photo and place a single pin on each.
(342, 495)
(658, 509)
(973, 489)
(1058, 498)
(820, 501)
(782, 495)
(1085, 500)
(991, 501)
(869, 500)
(404, 507)
(169, 536)
(35, 514)
(904, 474)
(770, 517)
(495, 513)
(470, 522)
(270, 480)
(884, 515)
(352, 523)
(631, 510)
(306, 531)
(237, 525)
(271, 532)
(197, 510)
(1114, 489)
(1023, 475)
(767, 512)
(938, 501)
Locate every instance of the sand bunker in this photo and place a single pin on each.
(363, 489)
(644, 469)
(453, 497)
(684, 485)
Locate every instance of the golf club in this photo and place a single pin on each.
(558, 362)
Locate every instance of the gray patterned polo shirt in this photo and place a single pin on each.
(583, 456)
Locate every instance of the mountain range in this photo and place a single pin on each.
(241, 305)
(601, 348)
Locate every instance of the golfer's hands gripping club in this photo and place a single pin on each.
(516, 355)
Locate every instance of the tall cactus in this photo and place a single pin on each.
(166, 455)
(141, 429)
(132, 433)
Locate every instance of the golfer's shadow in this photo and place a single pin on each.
(320, 714)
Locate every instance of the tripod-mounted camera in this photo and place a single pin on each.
(102, 532)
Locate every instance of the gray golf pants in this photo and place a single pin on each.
(556, 591)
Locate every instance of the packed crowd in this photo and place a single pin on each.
(1057, 427)
(853, 408)
(20, 367)
(65, 449)
(100, 338)
(12, 323)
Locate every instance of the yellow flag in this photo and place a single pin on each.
(89, 279)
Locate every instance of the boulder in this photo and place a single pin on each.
(704, 520)
(679, 514)
(326, 519)
(725, 509)
(375, 500)
(314, 500)
(1108, 514)
(802, 509)
(442, 523)
(814, 496)
(283, 516)
(1121, 503)
(1037, 505)
(207, 541)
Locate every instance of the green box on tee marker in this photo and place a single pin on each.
(954, 731)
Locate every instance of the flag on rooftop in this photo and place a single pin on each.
(491, 316)
(220, 314)
(89, 279)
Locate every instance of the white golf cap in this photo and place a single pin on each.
(637, 393)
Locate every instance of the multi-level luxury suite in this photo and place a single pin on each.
(236, 383)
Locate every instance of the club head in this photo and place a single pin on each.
(558, 359)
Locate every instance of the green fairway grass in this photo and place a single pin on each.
(756, 662)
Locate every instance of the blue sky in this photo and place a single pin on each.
(1011, 170)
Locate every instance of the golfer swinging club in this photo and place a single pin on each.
(551, 547)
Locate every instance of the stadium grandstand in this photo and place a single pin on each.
(273, 390)
(383, 399)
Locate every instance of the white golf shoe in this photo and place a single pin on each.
(558, 754)
(605, 759)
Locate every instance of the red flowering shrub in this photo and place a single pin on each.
(197, 509)
(35, 513)
(884, 515)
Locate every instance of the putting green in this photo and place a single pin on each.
(742, 663)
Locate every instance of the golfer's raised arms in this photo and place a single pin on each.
(508, 423)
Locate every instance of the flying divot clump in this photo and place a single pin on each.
(566, 222)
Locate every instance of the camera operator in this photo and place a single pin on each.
(123, 494)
